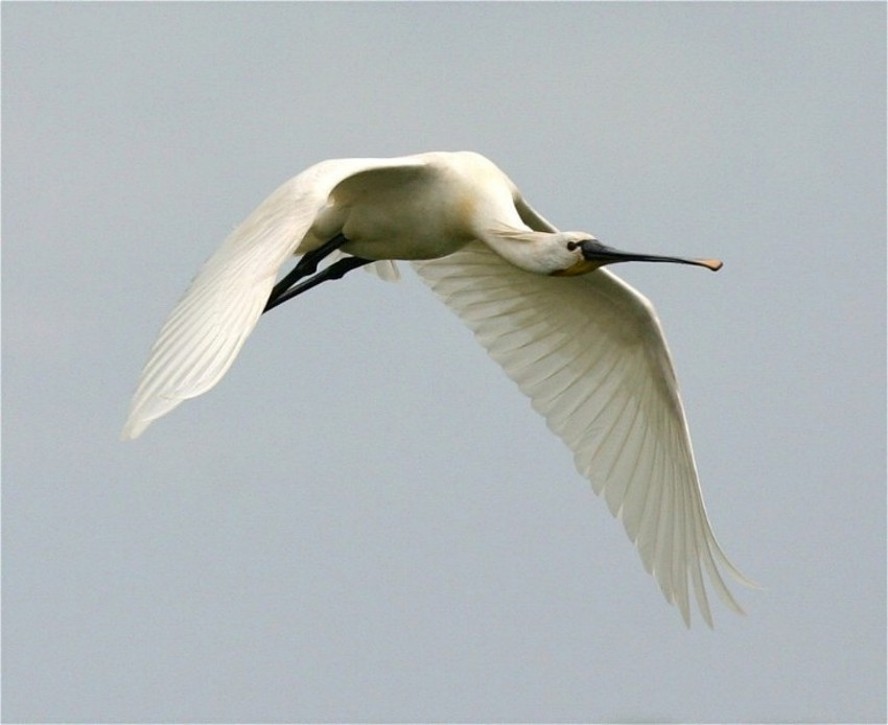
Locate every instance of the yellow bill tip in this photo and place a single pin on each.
(713, 264)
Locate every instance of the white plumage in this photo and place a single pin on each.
(585, 347)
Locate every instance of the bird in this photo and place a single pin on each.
(583, 345)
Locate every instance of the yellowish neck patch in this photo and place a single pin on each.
(581, 266)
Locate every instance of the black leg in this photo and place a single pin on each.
(306, 266)
(334, 271)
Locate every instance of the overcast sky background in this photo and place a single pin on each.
(366, 520)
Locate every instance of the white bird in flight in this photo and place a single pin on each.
(582, 344)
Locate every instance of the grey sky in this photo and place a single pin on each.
(366, 520)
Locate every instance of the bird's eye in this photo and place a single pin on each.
(582, 244)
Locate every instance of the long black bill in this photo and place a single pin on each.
(595, 251)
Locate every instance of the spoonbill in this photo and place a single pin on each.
(583, 345)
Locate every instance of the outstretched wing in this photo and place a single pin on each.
(590, 354)
(207, 328)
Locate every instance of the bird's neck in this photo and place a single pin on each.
(539, 252)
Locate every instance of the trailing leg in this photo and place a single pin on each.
(305, 267)
(334, 271)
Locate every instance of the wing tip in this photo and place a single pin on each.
(133, 428)
(144, 411)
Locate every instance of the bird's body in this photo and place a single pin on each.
(584, 346)
(381, 222)
(453, 199)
